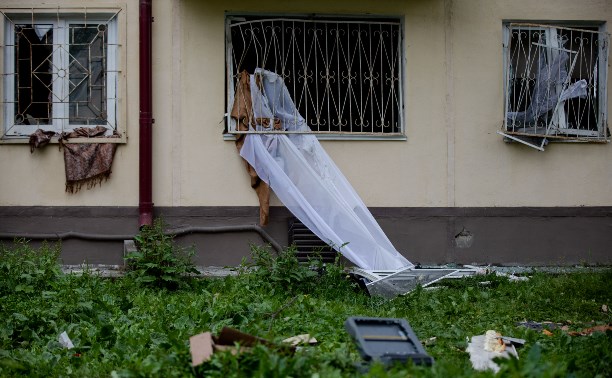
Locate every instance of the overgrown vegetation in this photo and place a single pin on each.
(271, 272)
(26, 270)
(122, 329)
(158, 261)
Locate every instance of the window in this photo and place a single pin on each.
(555, 86)
(59, 71)
(343, 74)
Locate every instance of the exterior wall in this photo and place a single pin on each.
(426, 235)
(423, 178)
(38, 178)
(487, 171)
(452, 158)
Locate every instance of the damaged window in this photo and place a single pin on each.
(344, 74)
(555, 86)
(59, 72)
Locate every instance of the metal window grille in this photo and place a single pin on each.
(59, 70)
(555, 84)
(343, 75)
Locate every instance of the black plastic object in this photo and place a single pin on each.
(387, 340)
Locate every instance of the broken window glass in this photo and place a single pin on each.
(555, 84)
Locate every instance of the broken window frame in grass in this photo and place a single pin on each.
(536, 46)
(344, 73)
(69, 99)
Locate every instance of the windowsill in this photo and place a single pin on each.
(355, 137)
(556, 138)
(55, 140)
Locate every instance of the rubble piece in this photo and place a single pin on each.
(391, 283)
(493, 342)
(589, 331)
(202, 346)
(386, 340)
(539, 326)
(301, 340)
(484, 348)
(65, 341)
(546, 328)
(513, 340)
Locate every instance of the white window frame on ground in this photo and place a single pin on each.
(58, 24)
(344, 73)
(555, 86)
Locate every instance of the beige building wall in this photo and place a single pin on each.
(452, 94)
(487, 171)
(38, 179)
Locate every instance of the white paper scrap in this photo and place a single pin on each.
(65, 340)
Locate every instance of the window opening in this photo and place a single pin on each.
(59, 71)
(555, 84)
(343, 74)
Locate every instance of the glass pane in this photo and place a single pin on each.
(87, 72)
(582, 112)
(33, 68)
(552, 82)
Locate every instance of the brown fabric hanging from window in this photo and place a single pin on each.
(87, 163)
(40, 138)
(242, 112)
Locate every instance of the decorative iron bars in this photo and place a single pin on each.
(556, 82)
(59, 71)
(344, 75)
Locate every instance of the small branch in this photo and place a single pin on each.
(276, 313)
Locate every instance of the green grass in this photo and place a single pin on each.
(121, 328)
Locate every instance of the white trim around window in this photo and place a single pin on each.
(60, 71)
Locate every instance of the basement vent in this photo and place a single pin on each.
(307, 244)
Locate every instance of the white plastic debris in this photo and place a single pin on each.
(484, 348)
(301, 340)
(493, 342)
(65, 340)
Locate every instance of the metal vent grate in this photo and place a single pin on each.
(308, 245)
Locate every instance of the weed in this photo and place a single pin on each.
(159, 261)
(27, 270)
(281, 272)
(123, 329)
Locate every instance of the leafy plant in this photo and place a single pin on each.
(26, 269)
(283, 272)
(121, 329)
(159, 261)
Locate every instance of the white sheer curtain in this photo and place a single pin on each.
(309, 184)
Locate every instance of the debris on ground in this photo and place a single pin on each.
(386, 340)
(547, 327)
(589, 331)
(392, 283)
(541, 326)
(202, 346)
(65, 341)
(304, 339)
(484, 348)
(431, 341)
